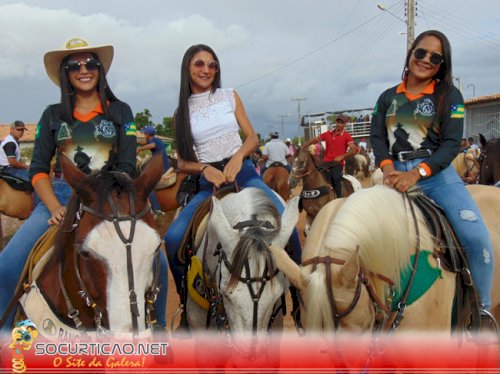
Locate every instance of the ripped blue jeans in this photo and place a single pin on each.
(449, 192)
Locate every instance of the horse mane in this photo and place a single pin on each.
(105, 182)
(256, 238)
(379, 221)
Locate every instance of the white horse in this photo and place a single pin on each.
(244, 286)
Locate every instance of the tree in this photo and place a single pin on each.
(166, 128)
(143, 119)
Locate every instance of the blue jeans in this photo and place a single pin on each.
(19, 173)
(14, 255)
(449, 192)
(247, 177)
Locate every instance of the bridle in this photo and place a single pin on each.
(212, 286)
(153, 290)
(363, 279)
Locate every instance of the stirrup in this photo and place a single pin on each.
(488, 322)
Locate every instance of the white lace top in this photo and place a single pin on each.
(213, 124)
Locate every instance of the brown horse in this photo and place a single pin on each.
(358, 164)
(100, 279)
(316, 191)
(276, 177)
(489, 161)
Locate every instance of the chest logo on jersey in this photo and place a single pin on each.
(106, 129)
(64, 132)
(425, 108)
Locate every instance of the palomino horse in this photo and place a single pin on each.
(467, 166)
(243, 287)
(100, 279)
(276, 177)
(353, 264)
(490, 161)
(316, 191)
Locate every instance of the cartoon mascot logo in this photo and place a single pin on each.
(23, 336)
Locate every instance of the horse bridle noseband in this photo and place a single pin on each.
(153, 291)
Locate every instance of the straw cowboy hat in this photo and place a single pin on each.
(53, 59)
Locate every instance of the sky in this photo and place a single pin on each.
(334, 54)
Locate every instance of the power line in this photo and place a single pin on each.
(308, 54)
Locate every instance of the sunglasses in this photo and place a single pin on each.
(73, 66)
(435, 58)
(212, 65)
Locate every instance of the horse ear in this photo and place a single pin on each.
(226, 234)
(72, 174)
(288, 221)
(151, 174)
(482, 140)
(350, 269)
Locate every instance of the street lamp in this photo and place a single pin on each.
(298, 100)
(473, 89)
(410, 22)
(283, 116)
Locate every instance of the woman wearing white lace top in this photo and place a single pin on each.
(207, 124)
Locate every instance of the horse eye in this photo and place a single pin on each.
(85, 254)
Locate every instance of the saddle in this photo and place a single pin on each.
(277, 164)
(15, 182)
(188, 188)
(167, 179)
(452, 257)
(198, 225)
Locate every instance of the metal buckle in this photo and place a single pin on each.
(401, 155)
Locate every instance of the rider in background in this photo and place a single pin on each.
(89, 123)
(275, 151)
(339, 146)
(415, 133)
(156, 146)
(207, 124)
(10, 152)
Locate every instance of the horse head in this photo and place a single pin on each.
(105, 251)
(241, 270)
(489, 160)
(302, 166)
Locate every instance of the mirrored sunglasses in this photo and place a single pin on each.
(434, 58)
(73, 66)
(212, 65)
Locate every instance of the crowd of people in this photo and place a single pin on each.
(97, 131)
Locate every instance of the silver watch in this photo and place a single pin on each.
(422, 171)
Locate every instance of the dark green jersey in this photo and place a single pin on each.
(90, 144)
(399, 124)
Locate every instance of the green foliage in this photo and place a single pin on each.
(26, 154)
(143, 119)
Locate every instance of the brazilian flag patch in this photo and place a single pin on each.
(130, 129)
(375, 110)
(457, 111)
(37, 132)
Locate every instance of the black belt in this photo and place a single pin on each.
(220, 165)
(411, 155)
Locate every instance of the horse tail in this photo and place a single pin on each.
(319, 319)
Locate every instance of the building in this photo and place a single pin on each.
(482, 116)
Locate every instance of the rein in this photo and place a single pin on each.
(153, 290)
(363, 279)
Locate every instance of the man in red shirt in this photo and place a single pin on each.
(339, 146)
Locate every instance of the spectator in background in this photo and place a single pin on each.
(275, 151)
(154, 145)
(293, 150)
(10, 152)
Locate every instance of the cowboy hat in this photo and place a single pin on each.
(53, 59)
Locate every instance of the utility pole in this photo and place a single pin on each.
(298, 100)
(283, 116)
(410, 23)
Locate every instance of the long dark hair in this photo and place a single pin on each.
(444, 74)
(183, 134)
(68, 93)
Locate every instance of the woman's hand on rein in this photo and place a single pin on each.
(214, 176)
(57, 216)
(232, 168)
(402, 180)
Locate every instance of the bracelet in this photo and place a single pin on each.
(203, 169)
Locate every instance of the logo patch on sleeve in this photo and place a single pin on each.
(130, 129)
(457, 111)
